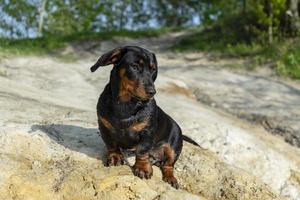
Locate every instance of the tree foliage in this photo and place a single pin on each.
(241, 20)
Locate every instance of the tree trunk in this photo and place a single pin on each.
(270, 27)
(41, 21)
(292, 21)
(244, 6)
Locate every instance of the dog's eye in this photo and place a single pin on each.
(152, 69)
(135, 67)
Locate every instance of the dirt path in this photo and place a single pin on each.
(50, 149)
(269, 101)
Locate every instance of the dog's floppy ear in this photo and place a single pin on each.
(153, 60)
(108, 58)
(154, 64)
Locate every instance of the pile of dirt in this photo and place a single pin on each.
(50, 147)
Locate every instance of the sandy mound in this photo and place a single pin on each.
(50, 148)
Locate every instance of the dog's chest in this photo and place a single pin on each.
(128, 133)
(126, 137)
(125, 121)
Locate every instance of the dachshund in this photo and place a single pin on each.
(130, 119)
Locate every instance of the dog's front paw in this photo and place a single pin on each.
(172, 181)
(115, 159)
(143, 170)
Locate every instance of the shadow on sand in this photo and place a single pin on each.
(75, 138)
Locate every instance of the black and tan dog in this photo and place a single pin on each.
(130, 119)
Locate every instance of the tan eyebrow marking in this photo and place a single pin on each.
(152, 65)
(141, 61)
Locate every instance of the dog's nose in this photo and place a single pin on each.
(151, 91)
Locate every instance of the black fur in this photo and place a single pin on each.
(161, 137)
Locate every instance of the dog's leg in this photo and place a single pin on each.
(114, 155)
(142, 167)
(168, 166)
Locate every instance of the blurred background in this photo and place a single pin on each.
(263, 30)
(229, 75)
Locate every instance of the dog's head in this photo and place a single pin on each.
(134, 72)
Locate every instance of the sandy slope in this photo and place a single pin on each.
(50, 149)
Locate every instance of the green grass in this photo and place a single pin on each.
(289, 62)
(284, 56)
(51, 43)
(212, 41)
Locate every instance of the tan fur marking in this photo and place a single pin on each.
(106, 123)
(116, 53)
(143, 158)
(113, 152)
(167, 168)
(170, 155)
(142, 162)
(138, 126)
(168, 171)
(125, 86)
(152, 66)
(129, 87)
(114, 157)
(142, 166)
(122, 73)
(114, 60)
(140, 92)
(141, 61)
